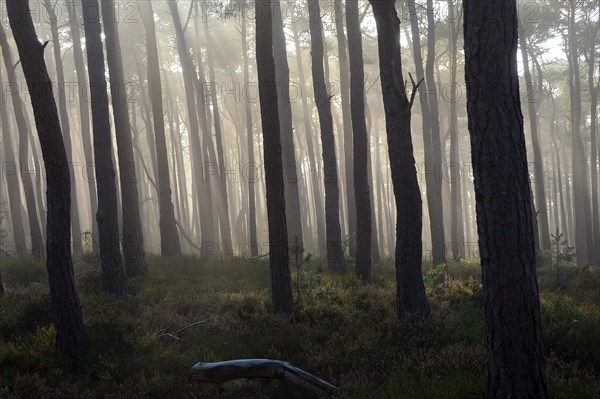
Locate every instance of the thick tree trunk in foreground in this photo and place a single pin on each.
(278, 242)
(70, 334)
(503, 195)
(113, 276)
(411, 300)
(361, 143)
(133, 238)
(335, 254)
(169, 236)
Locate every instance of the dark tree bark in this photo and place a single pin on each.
(335, 254)
(361, 143)
(503, 195)
(347, 126)
(410, 298)
(457, 230)
(308, 131)
(12, 179)
(70, 334)
(431, 141)
(169, 237)
(84, 115)
(35, 231)
(133, 238)
(290, 169)
(113, 276)
(66, 129)
(278, 243)
(540, 189)
(251, 178)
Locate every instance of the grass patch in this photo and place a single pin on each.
(345, 332)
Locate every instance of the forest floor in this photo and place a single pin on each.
(344, 332)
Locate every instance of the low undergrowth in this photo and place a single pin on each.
(344, 331)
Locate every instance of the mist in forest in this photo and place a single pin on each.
(399, 197)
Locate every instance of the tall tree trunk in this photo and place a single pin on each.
(12, 179)
(169, 236)
(410, 298)
(581, 197)
(361, 143)
(70, 334)
(224, 222)
(282, 71)
(84, 117)
(35, 232)
(113, 275)
(308, 131)
(133, 238)
(278, 243)
(540, 190)
(431, 141)
(503, 194)
(251, 177)
(335, 254)
(347, 128)
(66, 129)
(188, 70)
(594, 89)
(457, 230)
(437, 213)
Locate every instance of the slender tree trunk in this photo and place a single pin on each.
(503, 194)
(347, 123)
(594, 89)
(335, 255)
(224, 222)
(110, 255)
(66, 129)
(308, 131)
(375, 241)
(410, 298)
(12, 179)
(282, 70)
(431, 142)
(133, 239)
(540, 190)
(84, 116)
(361, 143)
(581, 197)
(169, 236)
(37, 240)
(70, 334)
(278, 243)
(457, 230)
(251, 177)
(194, 130)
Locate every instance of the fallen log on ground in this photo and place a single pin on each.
(221, 372)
